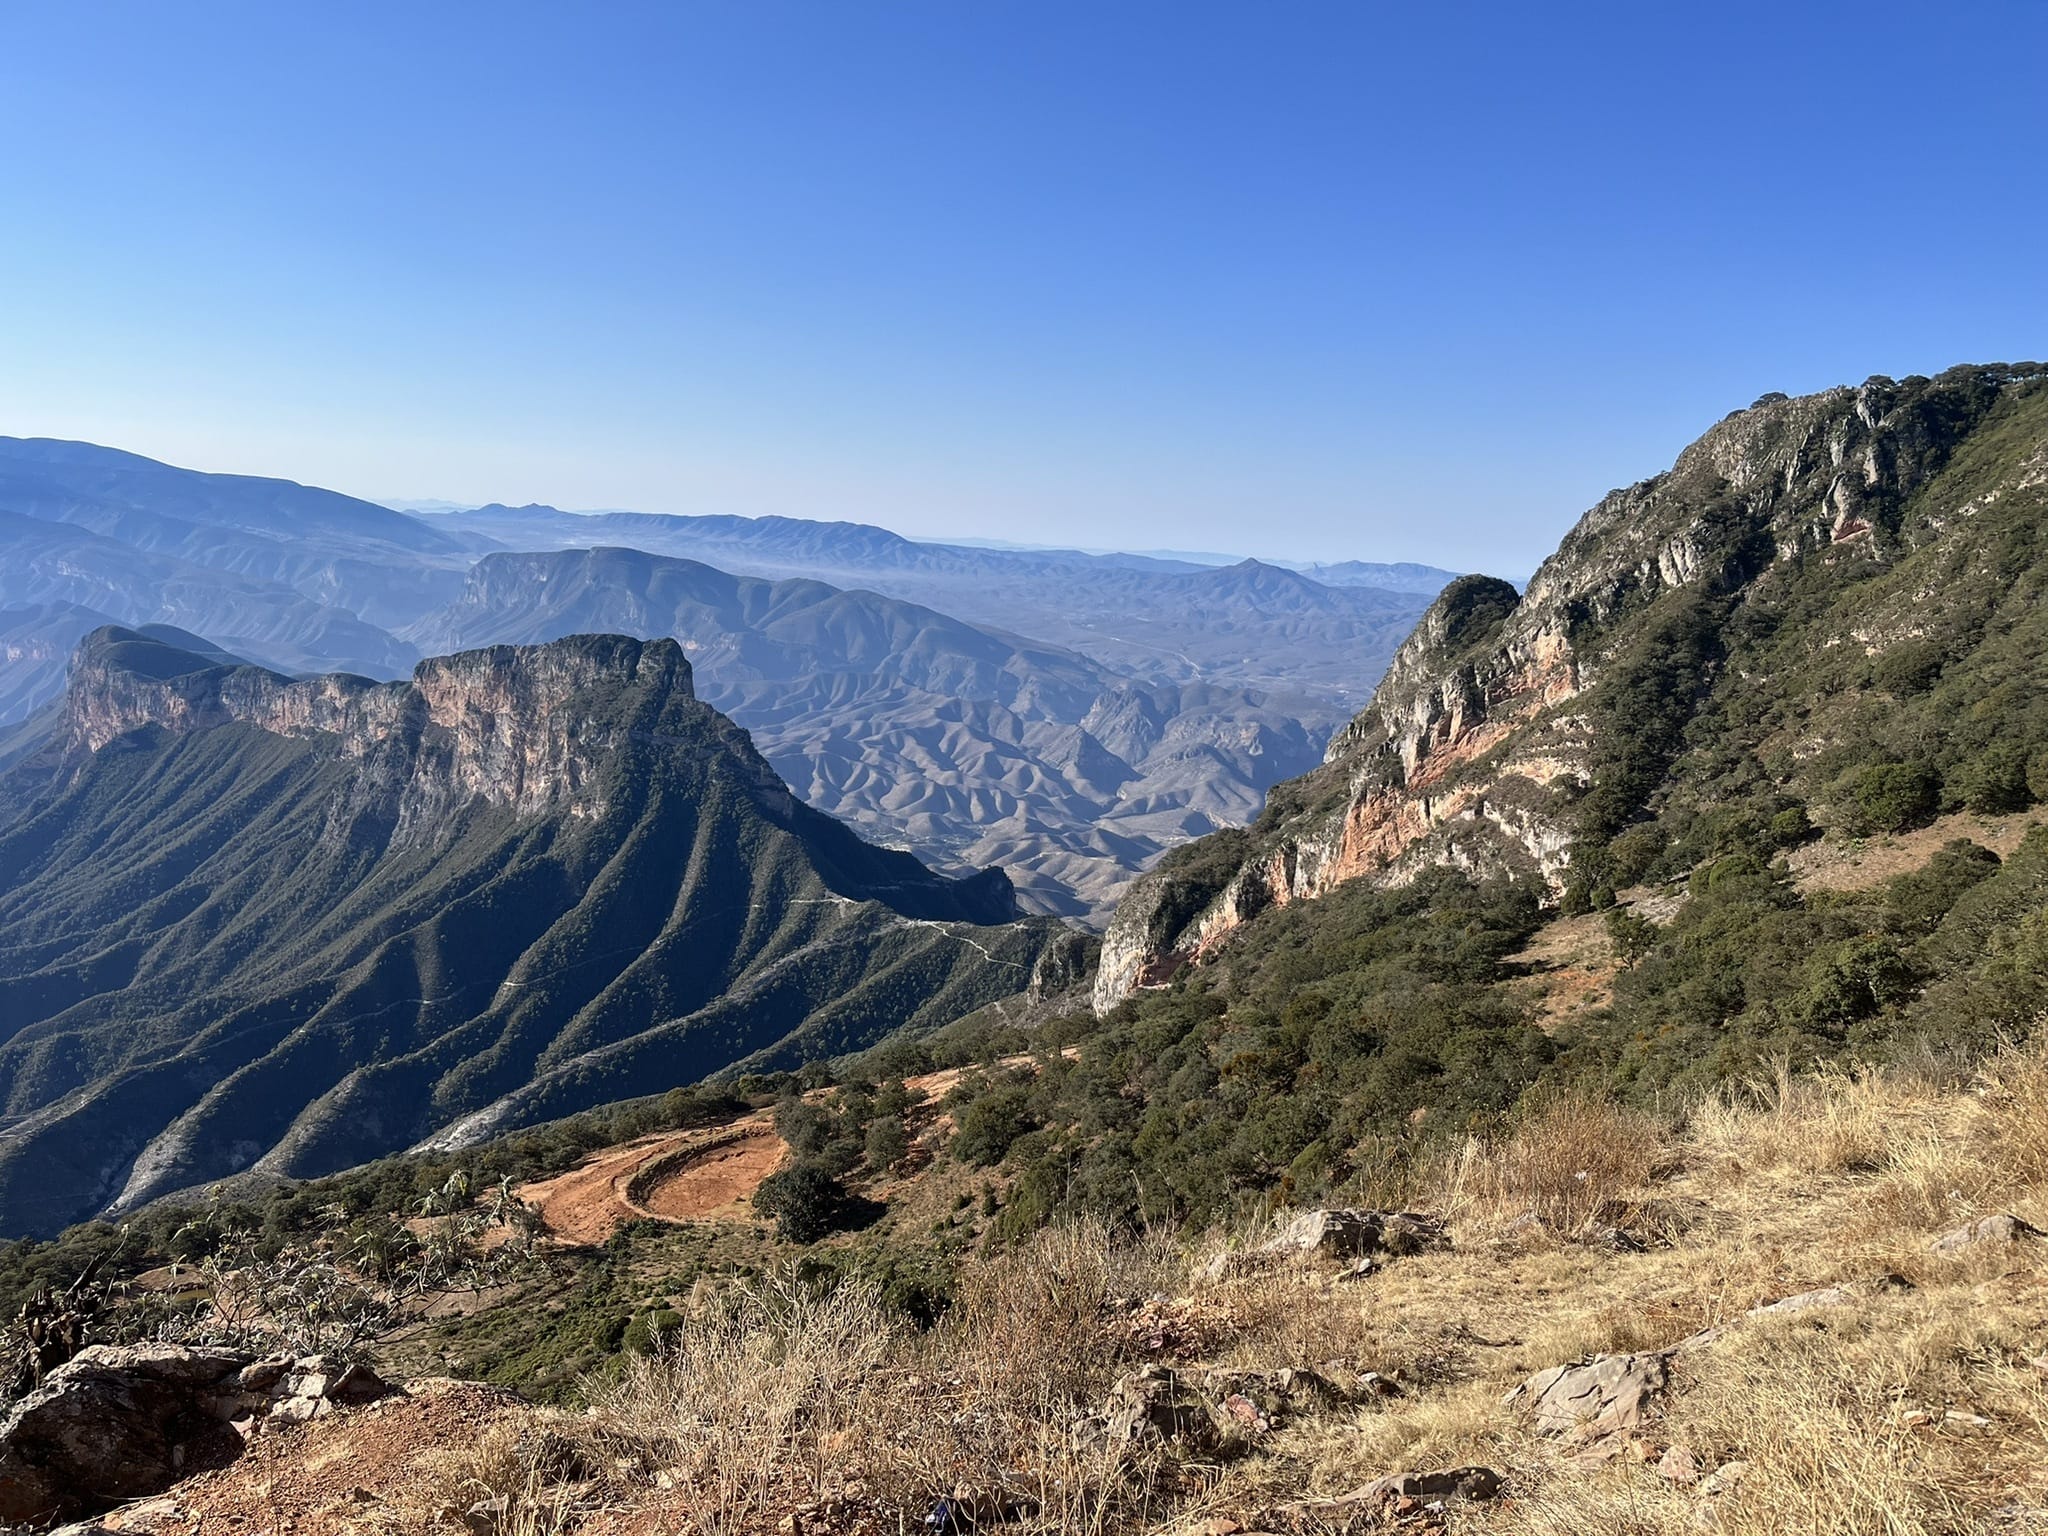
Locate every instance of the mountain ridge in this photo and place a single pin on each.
(1475, 752)
(257, 922)
(969, 745)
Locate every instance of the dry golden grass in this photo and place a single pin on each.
(1917, 1407)
(1568, 1158)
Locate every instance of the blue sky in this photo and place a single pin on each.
(1307, 279)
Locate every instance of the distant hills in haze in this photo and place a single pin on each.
(1068, 715)
(1251, 624)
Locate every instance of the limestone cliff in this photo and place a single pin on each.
(1477, 748)
(510, 725)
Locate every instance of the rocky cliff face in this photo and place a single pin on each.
(1476, 746)
(509, 724)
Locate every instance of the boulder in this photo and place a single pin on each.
(116, 1423)
(2002, 1228)
(1804, 1301)
(1349, 1233)
(1154, 1404)
(1587, 1399)
(121, 1422)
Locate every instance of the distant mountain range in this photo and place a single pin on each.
(1250, 625)
(251, 922)
(890, 680)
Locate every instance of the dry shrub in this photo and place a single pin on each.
(1956, 1156)
(1567, 1158)
(2014, 1094)
(517, 1459)
(1029, 1348)
(1828, 1122)
(1030, 1321)
(1845, 1426)
(776, 1395)
(1930, 1181)
(754, 1396)
(1615, 1504)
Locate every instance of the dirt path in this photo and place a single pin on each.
(684, 1176)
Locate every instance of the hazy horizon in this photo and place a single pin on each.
(1379, 286)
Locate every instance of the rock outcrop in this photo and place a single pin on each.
(495, 724)
(124, 1422)
(1479, 742)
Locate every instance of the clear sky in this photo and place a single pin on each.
(1306, 278)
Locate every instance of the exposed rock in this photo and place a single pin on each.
(115, 1424)
(1264, 1400)
(1349, 1233)
(123, 1422)
(488, 723)
(1679, 1465)
(1587, 1399)
(1470, 754)
(2002, 1228)
(1155, 1404)
(1804, 1301)
(1724, 1477)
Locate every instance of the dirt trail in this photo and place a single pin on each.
(685, 1176)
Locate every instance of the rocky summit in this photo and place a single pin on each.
(285, 925)
(1522, 733)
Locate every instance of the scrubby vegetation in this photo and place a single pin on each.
(1907, 1398)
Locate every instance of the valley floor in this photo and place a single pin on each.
(1904, 1392)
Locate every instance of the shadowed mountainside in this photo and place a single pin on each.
(258, 922)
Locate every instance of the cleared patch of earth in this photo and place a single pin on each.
(716, 1181)
(1571, 963)
(1856, 864)
(676, 1176)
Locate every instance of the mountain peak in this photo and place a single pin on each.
(523, 726)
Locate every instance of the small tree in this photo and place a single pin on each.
(886, 1142)
(1632, 935)
(805, 1202)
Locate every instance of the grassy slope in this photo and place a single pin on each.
(1914, 1405)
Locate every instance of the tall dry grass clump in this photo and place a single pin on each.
(757, 1390)
(775, 1394)
(2013, 1090)
(1565, 1159)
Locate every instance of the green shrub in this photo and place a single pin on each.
(1909, 667)
(886, 1144)
(1892, 797)
(992, 1122)
(805, 1202)
(1994, 782)
(1791, 827)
